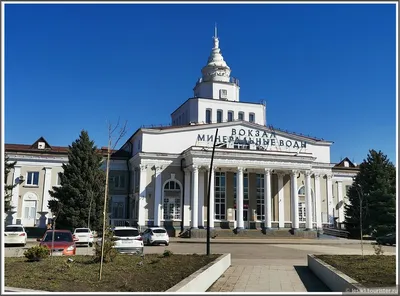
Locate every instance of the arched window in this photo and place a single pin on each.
(172, 200)
(208, 116)
(302, 205)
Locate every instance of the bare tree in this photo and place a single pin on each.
(111, 146)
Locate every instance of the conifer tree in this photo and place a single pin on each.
(375, 183)
(82, 187)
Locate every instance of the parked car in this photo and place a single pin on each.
(388, 239)
(155, 236)
(127, 240)
(83, 236)
(64, 243)
(15, 235)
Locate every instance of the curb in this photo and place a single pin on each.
(265, 241)
(205, 277)
(337, 281)
(12, 289)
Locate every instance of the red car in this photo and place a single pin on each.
(64, 242)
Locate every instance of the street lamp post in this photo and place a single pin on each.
(208, 194)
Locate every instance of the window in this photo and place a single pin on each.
(172, 201)
(251, 117)
(241, 116)
(230, 115)
(32, 179)
(219, 116)
(260, 197)
(126, 232)
(302, 207)
(245, 187)
(208, 116)
(302, 212)
(220, 199)
(59, 179)
(58, 236)
(117, 210)
(347, 189)
(118, 181)
(223, 94)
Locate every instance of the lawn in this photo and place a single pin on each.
(125, 274)
(372, 271)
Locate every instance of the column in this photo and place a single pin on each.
(212, 198)
(157, 196)
(15, 192)
(186, 206)
(329, 199)
(201, 199)
(195, 195)
(295, 200)
(309, 210)
(239, 195)
(340, 202)
(267, 198)
(281, 201)
(46, 188)
(141, 209)
(317, 198)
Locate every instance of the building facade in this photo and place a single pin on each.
(161, 175)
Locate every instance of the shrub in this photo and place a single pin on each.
(109, 252)
(167, 253)
(37, 253)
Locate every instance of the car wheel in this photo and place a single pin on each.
(90, 244)
(167, 244)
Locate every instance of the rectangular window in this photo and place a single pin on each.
(260, 197)
(59, 179)
(208, 116)
(230, 115)
(117, 210)
(302, 212)
(251, 117)
(241, 116)
(220, 199)
(32, 179)
(119, 181)
(219, 116)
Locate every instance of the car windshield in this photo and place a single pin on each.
(159, 231)
(126, 232)
(58, 237)
(81, 230)
(14, 229)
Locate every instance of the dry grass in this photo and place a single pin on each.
(126, 274)
(372, 271)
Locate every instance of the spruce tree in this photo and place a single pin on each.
(376, 183)
(82, 187)
(8, 166)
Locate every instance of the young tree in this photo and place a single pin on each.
(375, 185)
(82, 187)
(8, 166)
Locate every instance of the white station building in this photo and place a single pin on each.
(277, 179)
(160, 176)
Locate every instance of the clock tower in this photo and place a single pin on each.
(216, 82)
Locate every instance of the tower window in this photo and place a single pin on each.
(230, 115)
(251, 117)
(223, 94)
(208, 116)
(241, 116)
(219, 116)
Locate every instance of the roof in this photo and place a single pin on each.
(61, 150)
(341, 164)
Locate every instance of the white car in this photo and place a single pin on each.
(83, 236)
(15, 235)
(127, 240)
(156, 236)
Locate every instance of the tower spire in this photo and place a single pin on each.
(215, 31)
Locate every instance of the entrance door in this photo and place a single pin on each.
(172, 208)
(29, 213)
(245, 218)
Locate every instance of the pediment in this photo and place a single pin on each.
(41, 144)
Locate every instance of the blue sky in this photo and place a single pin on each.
(325, 70)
